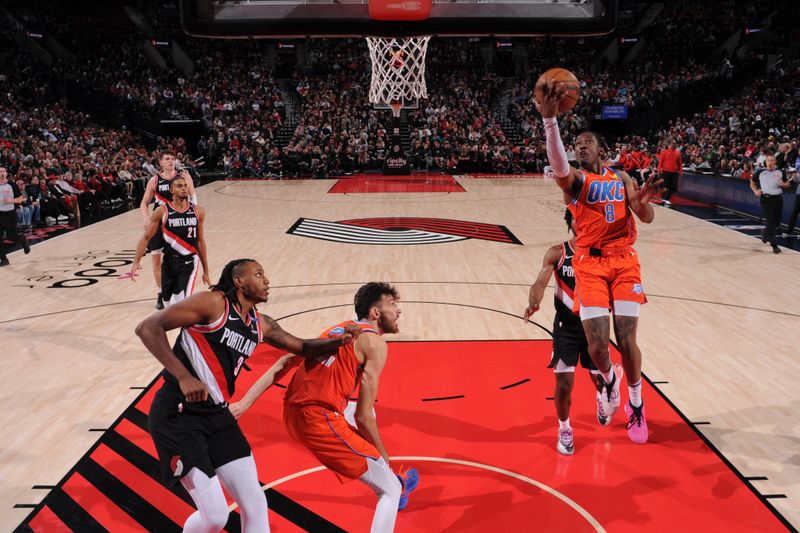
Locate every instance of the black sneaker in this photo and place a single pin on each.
(775, 249)
(26, 246)
(4, 262)
(764, 236)
(159, 302)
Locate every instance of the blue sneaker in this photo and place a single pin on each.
(409, 479)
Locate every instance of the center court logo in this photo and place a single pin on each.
(397, 231)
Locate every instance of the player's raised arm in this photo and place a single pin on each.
(567, 177)
(275, 336)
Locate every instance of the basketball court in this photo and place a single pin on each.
(465, 398)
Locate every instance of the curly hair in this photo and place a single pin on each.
(369, 294)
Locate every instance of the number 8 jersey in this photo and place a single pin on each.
(602, 216)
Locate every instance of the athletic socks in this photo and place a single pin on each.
(563, 425)
(635, 394)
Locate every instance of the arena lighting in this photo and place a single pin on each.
(748, 31)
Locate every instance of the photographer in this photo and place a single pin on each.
(9, 198)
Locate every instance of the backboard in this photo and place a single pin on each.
(355, 18)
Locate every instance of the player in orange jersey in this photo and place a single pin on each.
(315, 402)
(607, 272)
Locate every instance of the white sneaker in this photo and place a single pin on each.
(602, 418)
(62, 218)
(565, 443)
(609, 393)
(667, 203)
(49, 221)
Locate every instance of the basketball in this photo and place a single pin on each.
(564, 79)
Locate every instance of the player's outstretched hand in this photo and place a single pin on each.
(649, 188)
(532, 308)
(351, 333)
(551, 96)
(193, 389)
(238, 408)
(135, 268)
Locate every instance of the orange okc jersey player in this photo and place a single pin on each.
(607, 273)
(315, 402)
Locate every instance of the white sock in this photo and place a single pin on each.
(563, 425)
(608, 377)
(635, 393)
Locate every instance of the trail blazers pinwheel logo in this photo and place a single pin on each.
(404, 231)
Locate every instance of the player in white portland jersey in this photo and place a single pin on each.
(158, 189)
(181, 225)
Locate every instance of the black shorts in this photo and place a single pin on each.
(187, 436)
(178, 274)
(570, 346)
(156, 243)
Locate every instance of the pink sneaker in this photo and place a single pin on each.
(637, 424)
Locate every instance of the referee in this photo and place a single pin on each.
(768, 184)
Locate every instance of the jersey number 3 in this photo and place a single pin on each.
(610, 213)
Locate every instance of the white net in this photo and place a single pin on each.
(398, 70)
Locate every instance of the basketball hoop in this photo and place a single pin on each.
(398, 71)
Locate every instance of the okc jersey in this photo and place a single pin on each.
(180, 229)
(163, 194)
(214, 353)
(602, 216)
(330, 382)
(565, 289)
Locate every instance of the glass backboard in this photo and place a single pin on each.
(351, 18)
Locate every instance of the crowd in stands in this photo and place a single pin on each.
(67, 165)
(462, 127)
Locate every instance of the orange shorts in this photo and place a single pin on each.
(600, 281)
(331, 439)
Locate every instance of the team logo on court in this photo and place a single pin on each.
(404, 230)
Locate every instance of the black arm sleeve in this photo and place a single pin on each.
(756, 179)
